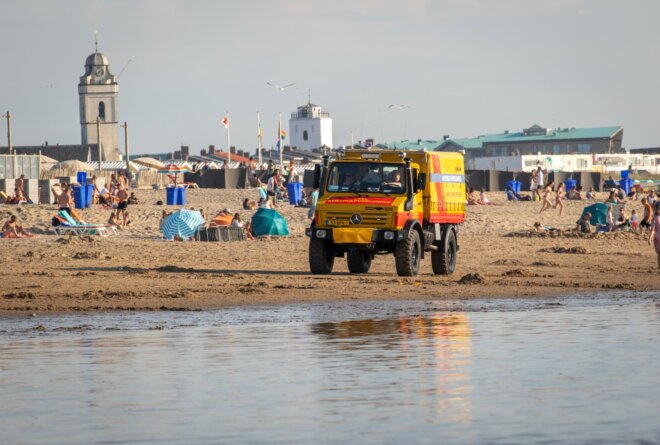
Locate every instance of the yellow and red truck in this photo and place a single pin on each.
(374, 202)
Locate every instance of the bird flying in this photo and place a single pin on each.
(281, 88)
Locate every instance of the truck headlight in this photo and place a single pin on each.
(320, 233)
(388, 236)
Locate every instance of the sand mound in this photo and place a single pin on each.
(576, 249)
(472, 278)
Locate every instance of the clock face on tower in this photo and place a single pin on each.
(99, 72)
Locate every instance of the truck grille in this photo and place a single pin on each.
(343, 219)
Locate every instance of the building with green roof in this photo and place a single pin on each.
(539, 140)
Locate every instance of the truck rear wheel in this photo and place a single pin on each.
(321, 257)
(444, 259)
(408, 255)
(358, 262)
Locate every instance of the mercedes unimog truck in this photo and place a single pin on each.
(374, 202)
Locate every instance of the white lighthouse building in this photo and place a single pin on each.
(99, 97)
(310, 128)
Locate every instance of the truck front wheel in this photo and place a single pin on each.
(444, 259)
(408, 255)
(358, 262)
(321, 257)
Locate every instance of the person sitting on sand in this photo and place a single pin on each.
(483, 199)
(620, 193)
(11, 229)
(249, 204)
(623, 220)
(163, 216)
(539, 228)
(65, 200)
(114, 220)
(471, 199)
(612, 198)
(583, 225)
(133, 199)
(248, 230)
(591, 194)
(510, 194)
(236, 221)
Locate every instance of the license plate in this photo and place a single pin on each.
(337, 222)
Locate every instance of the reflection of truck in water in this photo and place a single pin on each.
(383, 202)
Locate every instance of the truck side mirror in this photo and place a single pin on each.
(421, 181)
(317, 176)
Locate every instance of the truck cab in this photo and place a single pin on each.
(388, 202)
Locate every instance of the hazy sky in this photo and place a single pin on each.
(465, 67)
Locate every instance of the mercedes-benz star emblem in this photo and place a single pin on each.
(356, 218)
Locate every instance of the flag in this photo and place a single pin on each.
(225, 121)
(282, 134)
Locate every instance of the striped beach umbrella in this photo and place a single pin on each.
(172, 169)
(183, 223)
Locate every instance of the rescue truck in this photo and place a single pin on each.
(374, 202)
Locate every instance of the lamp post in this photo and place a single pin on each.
(404, 109)
(98, 142)
(8, 117)
(279, 129)
(128, 159)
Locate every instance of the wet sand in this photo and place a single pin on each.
(137, 271)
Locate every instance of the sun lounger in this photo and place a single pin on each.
(68, 225)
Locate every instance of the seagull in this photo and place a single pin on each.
(400, 107)
(281, 88)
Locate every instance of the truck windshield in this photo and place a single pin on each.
(366, 177)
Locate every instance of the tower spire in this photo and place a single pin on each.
(96, 41)
(309, 96)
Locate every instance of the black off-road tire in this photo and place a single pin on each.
(443, 261)
(321, 257)
(409, 255)
(358, 262)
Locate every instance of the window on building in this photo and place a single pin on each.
(305, 135)
(584, 148)
(581, 164)
(101, 111)
(556, 149)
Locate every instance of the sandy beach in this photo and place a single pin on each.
(136, 270)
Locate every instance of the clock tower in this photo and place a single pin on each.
(99, 93)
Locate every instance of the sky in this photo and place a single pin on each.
(463, 67)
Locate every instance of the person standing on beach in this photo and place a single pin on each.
(547, 191)
(539, 181)
(655, 235)
(122, 203)
(532, 181)
(559, 196)
(274, 186)
(610, 219)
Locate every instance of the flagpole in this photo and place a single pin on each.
(228, 142)
(279, 136)
(259, 136)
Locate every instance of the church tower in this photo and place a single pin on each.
(310, 127)
(99, 93)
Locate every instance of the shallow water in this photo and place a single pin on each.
(562, 370)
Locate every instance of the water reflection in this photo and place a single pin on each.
(438, 346)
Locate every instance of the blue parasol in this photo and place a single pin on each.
(183, 223)
(269, 222)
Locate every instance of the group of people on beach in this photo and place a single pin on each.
(19, 196)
